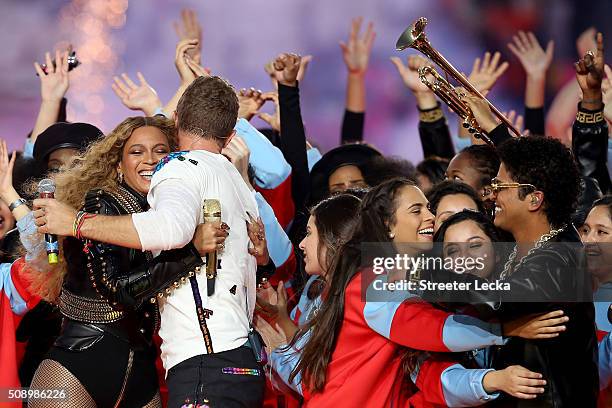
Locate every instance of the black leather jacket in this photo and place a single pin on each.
(111, 289)
(554, 275)
(590, 146)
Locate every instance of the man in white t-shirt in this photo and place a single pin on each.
(212, 367)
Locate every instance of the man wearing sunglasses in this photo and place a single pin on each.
(535, 193)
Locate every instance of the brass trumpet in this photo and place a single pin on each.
(414, 37)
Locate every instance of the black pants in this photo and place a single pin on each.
(216, 380)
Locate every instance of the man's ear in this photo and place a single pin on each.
(229, 138)
(535, 200)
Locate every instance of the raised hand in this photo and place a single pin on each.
(533, 58)
(274, 119)
(7, 191)
(356, 52)
(250, 101)
(54, 84)
(286, 68)
(590, 69)
(516, 120)
(269, 68)
(185, 72)
(487, 71)
(409, 72)
(196, 68)
(136, 97)
(189, 28)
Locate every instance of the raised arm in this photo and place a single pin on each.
(535, 62)
(356, 54)
(53, 86)
(293, 135)
(188, 71)
(484, 75)
(433, 129)
(189, 28)
(590, 130)
(497, 131)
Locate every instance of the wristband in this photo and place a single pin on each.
(430, 116)
(18, 202)
(78, 223)
(584, 117)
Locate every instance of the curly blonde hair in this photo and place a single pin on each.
(94, 169)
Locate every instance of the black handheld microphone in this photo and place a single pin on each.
(46, 189)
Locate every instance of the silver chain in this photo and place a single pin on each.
(508, 269)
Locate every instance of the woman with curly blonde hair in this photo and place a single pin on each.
(106, 293)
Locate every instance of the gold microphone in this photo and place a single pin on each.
(211, 212)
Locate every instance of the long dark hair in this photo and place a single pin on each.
(377, 213)
(335, 218)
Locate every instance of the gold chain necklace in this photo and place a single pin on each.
(508, 269)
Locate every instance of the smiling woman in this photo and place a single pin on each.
(141, 152)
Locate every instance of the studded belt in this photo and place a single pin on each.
(88, 310)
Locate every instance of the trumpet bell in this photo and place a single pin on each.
(411, 35)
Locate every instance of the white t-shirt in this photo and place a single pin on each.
(176, 195)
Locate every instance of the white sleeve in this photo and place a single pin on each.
(173, 218)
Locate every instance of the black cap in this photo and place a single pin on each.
(355, 154)
(64, 135)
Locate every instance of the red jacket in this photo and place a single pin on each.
(15, 300)
(365, 371)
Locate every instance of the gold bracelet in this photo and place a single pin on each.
(583, 117)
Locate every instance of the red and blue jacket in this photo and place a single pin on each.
(364, 368)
